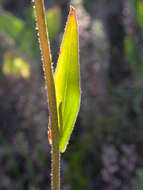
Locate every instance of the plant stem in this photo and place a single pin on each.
(47, 66)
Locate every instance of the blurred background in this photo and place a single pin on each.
(106, 147)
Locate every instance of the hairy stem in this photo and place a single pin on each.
(47, 65)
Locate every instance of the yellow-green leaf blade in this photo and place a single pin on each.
(67, 81)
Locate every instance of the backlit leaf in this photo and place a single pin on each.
(67, 81)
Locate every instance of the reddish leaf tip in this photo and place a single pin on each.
(72, 10)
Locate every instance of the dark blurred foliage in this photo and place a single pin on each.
(106, 148)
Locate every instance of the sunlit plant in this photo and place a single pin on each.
(63, 85)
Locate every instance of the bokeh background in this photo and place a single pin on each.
(106, 147)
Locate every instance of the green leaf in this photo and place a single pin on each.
(10, 24)
(67, 81)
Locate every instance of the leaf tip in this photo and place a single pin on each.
(72, 10)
